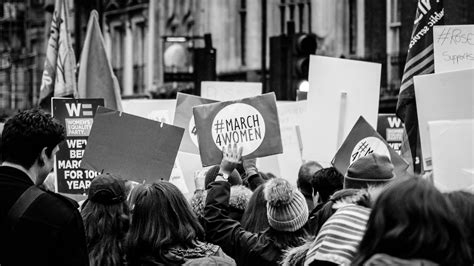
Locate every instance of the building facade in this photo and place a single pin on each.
(134, 31)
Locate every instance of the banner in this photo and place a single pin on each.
(184, 118)
(390, 127)
(340, 91)
(362, 141)
(251, 123)
(444, 96)
(132, 147)
(229, 91)
(59, 78)
(77, 116)
(453, 47)
(452, 145)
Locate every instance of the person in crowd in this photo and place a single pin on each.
(37, 227)
(164, 230)
(325, 182)
(463, 204)
(347, 211)
(286, 213)
(255, 219)
(106, 218)
(305, 180)
(413, 224)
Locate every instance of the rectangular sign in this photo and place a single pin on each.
(132, 147)
(229, 91)
(77, 116)
(390, 127)
(158, 110)
(443, 96)
(340, 91)
(362, 141)
(251, 123)
(453, 47)
(452, 145)
(184, 118)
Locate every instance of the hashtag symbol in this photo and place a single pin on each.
(363, 147)
(444, 36)
(219, 126)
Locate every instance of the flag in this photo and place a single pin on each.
(96, 78)
(420, 60)
(59, 77)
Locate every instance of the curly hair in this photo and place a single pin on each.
(26, 134)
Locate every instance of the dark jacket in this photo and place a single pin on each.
(50, 232)
(245, 247)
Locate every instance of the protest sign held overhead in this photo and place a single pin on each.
(444, 96)
(390, 127)
(229, 91)
(77, 116)
(340, 91)
(132, 147)
(251, 123)
(362, 141)
(184, 118)
(452, 147)
(453, 47)
(158, 110)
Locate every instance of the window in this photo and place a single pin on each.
(352, 26)
(395, 13)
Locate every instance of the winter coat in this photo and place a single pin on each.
(50, 232)
(245, 247)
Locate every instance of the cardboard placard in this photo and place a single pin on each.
(251, 123)
(132, 147)
(362, 141)
(390, 127)
(340, 91)
(287, 164)
(452, 145)
(77, 116)
(229, 91)
(151, 109)
(453, 47)
(444, 96)
(184, 118)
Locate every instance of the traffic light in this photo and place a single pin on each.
(302, 46)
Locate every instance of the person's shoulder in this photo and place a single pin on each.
(56, 204)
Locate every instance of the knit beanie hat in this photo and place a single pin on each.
(211, 174)
(286, 206)
(372, 169)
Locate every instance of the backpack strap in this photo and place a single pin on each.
(22, 204)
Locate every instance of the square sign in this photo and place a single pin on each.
(132, 147)
(251, 123)
(77, 116)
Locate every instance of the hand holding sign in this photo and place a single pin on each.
(231, 157)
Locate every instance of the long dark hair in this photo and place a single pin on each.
(463, 204)
(161, 218)
(255, 218)
(412, 220)
(105, 227)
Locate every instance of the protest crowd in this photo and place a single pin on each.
(239, 178)
(237, 215)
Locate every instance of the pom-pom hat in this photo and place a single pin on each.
(286, 207)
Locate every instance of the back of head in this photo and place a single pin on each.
(286, 206)
(370, 170)
(411, 219)
(254, 218)
(27, 133)
(463, 204)
(105, 214)
(327, 181)
(161, 218)
(305, 176)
